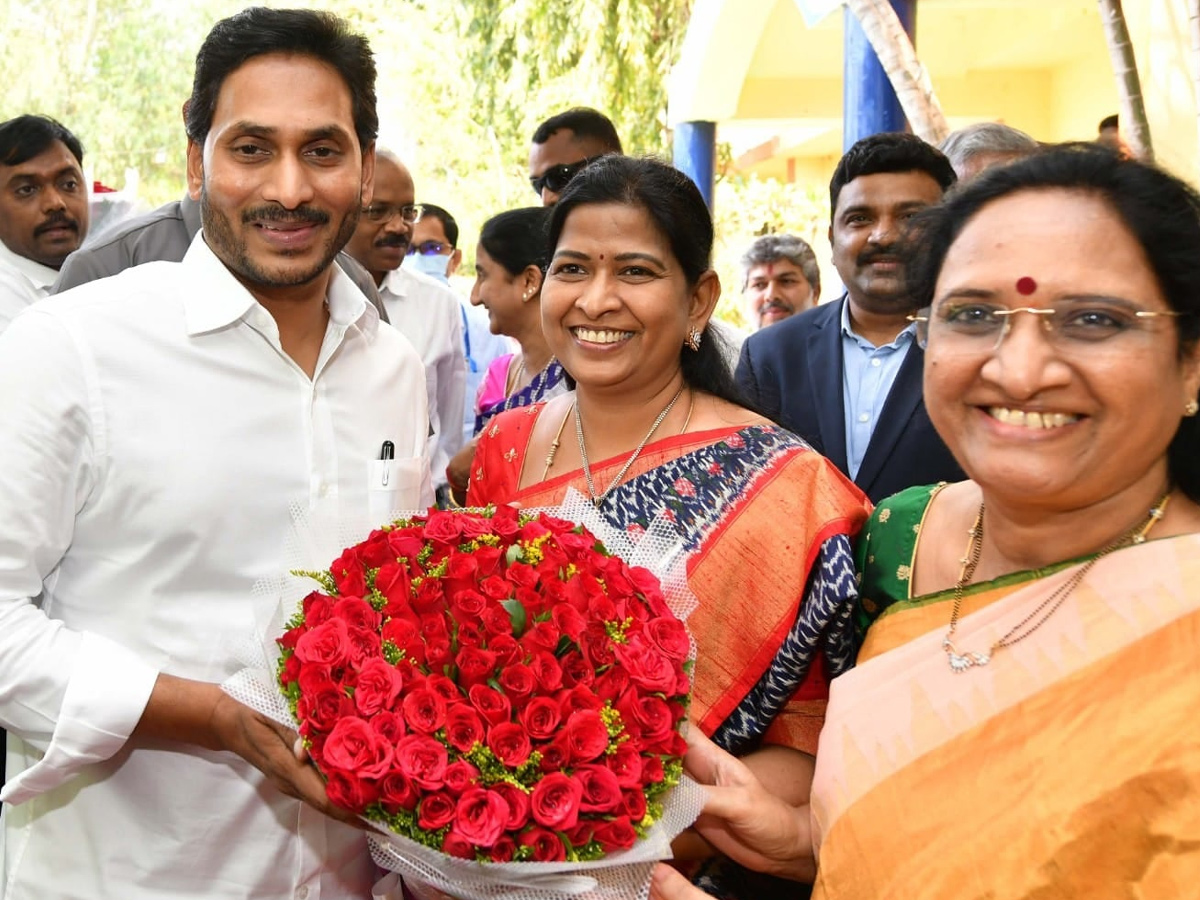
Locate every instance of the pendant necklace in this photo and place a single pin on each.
(961, 661)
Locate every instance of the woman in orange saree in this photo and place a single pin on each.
(1021, 720)
(653, 428)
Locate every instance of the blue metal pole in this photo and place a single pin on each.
(869, 104)
(694, 148)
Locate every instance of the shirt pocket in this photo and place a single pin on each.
(397, 485)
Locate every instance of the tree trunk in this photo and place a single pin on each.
(898, 57)
(1194, 57)
(1135, 129)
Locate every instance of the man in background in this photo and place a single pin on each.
(434, 251)
(43, 209)
(847, 376)
(780, 277)
(424, 310)
(977, 147)
(563, 145)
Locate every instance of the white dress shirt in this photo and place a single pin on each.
(155, 437)
(426, 312)
(23, 282)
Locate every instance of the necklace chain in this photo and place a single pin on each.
(587, 469)
(961, 661)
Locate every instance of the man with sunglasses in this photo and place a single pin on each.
(563, 145)
(422, 309)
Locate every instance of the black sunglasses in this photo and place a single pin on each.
(556, 178)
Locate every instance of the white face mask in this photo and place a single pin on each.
(433, 265)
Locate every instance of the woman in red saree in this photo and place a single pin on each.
(654, 428)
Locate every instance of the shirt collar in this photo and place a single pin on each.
(218, 299)
(41, 277)
(906, 336)
(396, 283)
(189, 209)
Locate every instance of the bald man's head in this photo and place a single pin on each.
(384, 230)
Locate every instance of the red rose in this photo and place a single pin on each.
(480, 816)
(587, 736)
(556, 755)
(575, 699)
(405, 544)
(428, 596)
(436, 811)
(424, 711)
(349, 791)
(444, 687)
(396, 792)
(354, 746)
(422, 760)
(443, 527)
(467, 603)
(510, 743)
(460, 775)
(541, 718)
(348, 574)
(377, 687)
(518, 804)
(326, 645)
(506, 522)
(438, 653)
(496, 588)
(578, 545)
(458, 846)
(461, 567)
(357, 612)
(492, 705)
(616, 835)
(647, 667)
(633, 804)
(388, 725)
(470, 634)
(522, 575)
(291, 670)
(322, 710)
(670, 637)
(507, 650)
(547, 846)
(475, 666)
(555, 801)
(393, 582)
(577, 671)
(542, 636)
(546, 671)
(496, 621)
(646, 584)
(601, 792)
(488, 561)
(317, 608)
(597, 646)
(405, 633)
(503, 850)
(474, 526)
(569, 621)
(375, 550)
(626, 765)
(363, 644)
(652, 770)
(464, 728)
(517, 680)
(581, 834)
(650, 717)
(611, 685)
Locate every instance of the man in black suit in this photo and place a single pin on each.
(846, 376)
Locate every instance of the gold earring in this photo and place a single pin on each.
(525, 296)
(1191, 408)
(693, 339)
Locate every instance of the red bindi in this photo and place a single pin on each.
(1026, 285)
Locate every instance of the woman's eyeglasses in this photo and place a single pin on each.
(556, 178)
(384, 212)
(429, 248)
(969, 328)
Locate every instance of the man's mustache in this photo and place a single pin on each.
(781, 307)
(884, 254)
(393, 240)
(56, 220)
(279, 214)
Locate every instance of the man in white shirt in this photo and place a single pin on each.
(161, 429)
(43, 208)
(423, 310)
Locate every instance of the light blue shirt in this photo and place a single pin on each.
(868, 373)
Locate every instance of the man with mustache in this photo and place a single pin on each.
(164, 431)
(43, 208)
(846, 376)
(780, 277)
(423, 310)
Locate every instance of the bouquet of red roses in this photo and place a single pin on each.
(497, 687)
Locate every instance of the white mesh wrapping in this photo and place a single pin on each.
(430, 875)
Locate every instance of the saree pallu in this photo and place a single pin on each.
(767, 523)
(1068, 767)
(550, 382)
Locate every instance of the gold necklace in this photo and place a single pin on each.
(587, 469)
(962, 661)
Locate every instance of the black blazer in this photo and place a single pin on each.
(792, 373)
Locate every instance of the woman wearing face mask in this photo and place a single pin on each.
(1021, 721)
(509, 266)
(654, 428)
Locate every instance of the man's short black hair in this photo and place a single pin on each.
(584, 122)
(449, 226)
(23, 138)
(259, 31)
(890, 151)
(1109, 122)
